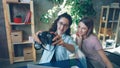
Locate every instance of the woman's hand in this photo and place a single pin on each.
(35, 37)
(57, 40)
(79, 39)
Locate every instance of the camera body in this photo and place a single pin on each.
(46, 37)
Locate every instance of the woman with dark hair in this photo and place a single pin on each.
(54, 25)
(90, 45)
(64, 44)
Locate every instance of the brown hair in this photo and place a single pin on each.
(54, 25)
(89, 23)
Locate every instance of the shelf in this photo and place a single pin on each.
(20, 59)
(113, 21)
(111, 7)
(103, 21)
(115, 7)
(17, 3)
(11, 10)
(109, 23)
(19, 24)
(24, 42)
(101, 34)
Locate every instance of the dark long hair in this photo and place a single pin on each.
(89, 23)
(54, 25)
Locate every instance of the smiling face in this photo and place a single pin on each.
(82, 29)
(62, 25)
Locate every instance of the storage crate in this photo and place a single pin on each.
(16, 36)
(107, 30)
(28, 54)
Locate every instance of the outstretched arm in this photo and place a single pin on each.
(59, 41)
(105, 59)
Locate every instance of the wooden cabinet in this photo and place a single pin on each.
(19, 30)
(109, 23)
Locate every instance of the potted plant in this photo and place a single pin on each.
(76, 8)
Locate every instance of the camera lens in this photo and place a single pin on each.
(46, 39)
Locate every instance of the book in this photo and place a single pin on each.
(28, 18)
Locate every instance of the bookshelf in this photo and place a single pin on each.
(20, 48)
(109, 24)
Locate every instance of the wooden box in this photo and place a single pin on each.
(12, 0)
(28, 54)
(107, 30)
(16, 36)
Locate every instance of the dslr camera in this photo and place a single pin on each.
(45, 38)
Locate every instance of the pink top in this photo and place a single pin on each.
(90, 46)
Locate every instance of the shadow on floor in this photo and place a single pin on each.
(5, 64)
(114, 58)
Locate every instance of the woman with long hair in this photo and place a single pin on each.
(64, 44)
(90, 45)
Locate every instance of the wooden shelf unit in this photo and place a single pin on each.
(109, 23)
(19, 24)
(9, 28)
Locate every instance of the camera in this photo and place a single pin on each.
(46, 37)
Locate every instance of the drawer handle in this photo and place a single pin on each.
(27, 53)
(15, 35)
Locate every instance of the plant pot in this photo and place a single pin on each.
(17, 20)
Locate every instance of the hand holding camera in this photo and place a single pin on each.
(47, 38)
(58, 40)
(36, 39)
